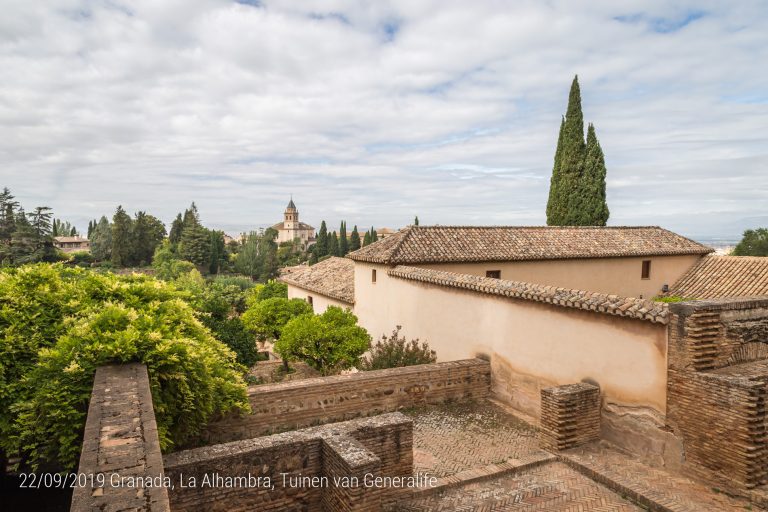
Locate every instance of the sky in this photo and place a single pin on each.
(377, 111)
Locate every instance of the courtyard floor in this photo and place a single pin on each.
(488, 460)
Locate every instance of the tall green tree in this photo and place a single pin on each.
(101, 240)
(577, 187)
(121, 238)
(343, 242)
(174, 236)
(195, 245)
(8, 209)
(333, 244)
(416, 221)
(374, 235)
(367, 238)
(354, 240)
(218, 252)
(321, 244)
(593, 208)
(147, 233)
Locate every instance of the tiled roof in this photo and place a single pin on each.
(444, 244)
(334, 277)
(724, 276)
(578, 299)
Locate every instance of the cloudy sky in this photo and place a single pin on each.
(376, 111)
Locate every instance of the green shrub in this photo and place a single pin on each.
(82, 258)
(673, 298)
(267, 318)
(242, 282)
(270, 290)
(329, 343)
(395, 351)
(58, 324)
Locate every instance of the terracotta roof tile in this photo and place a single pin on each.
(334, 277)
(578, 299)
(442, 244)
(724, 276)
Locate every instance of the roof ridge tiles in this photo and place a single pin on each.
(631, 307)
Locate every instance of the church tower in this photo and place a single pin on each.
(291, 217)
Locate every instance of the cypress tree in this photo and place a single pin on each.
(176, 228)
(333, 244)
(374, 235)
(343, 243)
(416, 221)
(354, 240)
(321, 245)
(594, 208)
(367, 238)
(121, 238)
(577, 186)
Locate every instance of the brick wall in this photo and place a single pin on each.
(717, 389)
(298, 404)
(570, 416)
(382, 445)
(120, 440)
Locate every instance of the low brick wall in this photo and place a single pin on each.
(570, 416)
(382, 446)
(120, 442)
(299, 404)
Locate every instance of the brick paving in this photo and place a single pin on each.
(488, 460)
(452, 438)
(553, 487)
(648, 485)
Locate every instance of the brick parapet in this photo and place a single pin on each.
(120, 441)
(308, 402)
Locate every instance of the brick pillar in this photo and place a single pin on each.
(570, 416)
(345, 460)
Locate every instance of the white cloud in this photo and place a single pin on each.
(377, 111)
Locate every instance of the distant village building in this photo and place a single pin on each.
(291, 229)
(69, 244)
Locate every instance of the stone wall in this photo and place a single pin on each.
(570, 416)
(381, 446)
(298, 404)
(718, 386)
(120, 442)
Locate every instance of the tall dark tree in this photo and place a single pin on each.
(354, 239)
(343, 242)
(416, 221)
(176, 228)
(101, 240)
(8, 207)
(321, 245)
(218, 252)
(374, 235)
(577, 187)
(121, 238)
(367, 238)
(195, 245)
(593, 208)
(333, 244)
(191, 216)
(147, 233)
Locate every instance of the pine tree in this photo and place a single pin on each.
(8, 208)
(577, 186)
(195, 245)
(333, 244)
(321, 245)
(191, 216)
(343, 242)
(354, 240)
(121, 238)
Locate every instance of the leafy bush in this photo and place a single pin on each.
(242, 282)
(270, 290)
(395, 351)
(82, 258)
(58, 324)
(329, 343)
(268, 317)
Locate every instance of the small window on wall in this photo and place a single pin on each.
(496, 274)
(373, 275)
(309, 300)
(646, 271)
